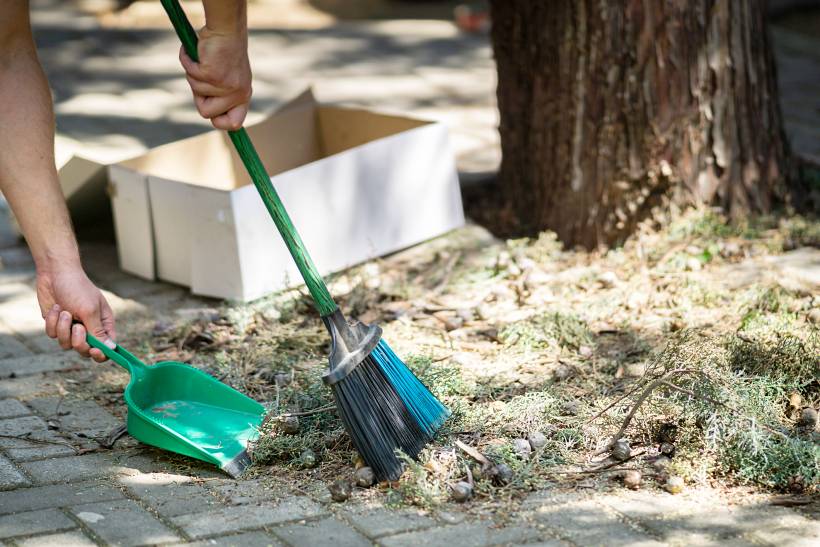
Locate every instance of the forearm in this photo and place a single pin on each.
(226, 16)
(28, 177)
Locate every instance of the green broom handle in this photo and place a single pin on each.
(316, 286)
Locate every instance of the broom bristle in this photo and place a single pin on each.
(428, 411)
(386, 409)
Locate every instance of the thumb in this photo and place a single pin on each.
(92, 320)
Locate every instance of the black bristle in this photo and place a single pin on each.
(377, 419)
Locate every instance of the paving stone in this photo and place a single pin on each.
(21, 312)
(723, 523)
(324, 532)
(66, 539)
(586, 523)
(463, 535)
(41, 343)
(11, 408)
(34, 522)
(44, 442)
(33, 364)
(547, 543)
(123, 522)
(714, 522)
(10, 476)
(644, 504)
(76, 415)
(171, 495)
(245, 517)
(248, 539)
(87, 466)
(791, 536)
(26, 386)
(56, 495)
(382, 522)
(247, 491)
(11, 346)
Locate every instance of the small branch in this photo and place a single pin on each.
(448, 272)
(473, 453)
(304, 413)
(643, 397)
(38, 441)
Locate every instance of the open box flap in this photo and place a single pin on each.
(299, 133)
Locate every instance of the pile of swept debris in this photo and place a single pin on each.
(689, 355)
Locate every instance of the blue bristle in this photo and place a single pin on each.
(425, 408)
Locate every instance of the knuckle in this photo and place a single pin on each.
(84, 310)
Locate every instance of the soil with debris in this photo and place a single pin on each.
(687, 357)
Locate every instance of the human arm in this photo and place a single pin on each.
(28, 180)
(221, 80)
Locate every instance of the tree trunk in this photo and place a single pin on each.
(610, 107)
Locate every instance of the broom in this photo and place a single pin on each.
(384, 407)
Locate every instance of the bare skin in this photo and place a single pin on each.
(221, 81)
(70, 303)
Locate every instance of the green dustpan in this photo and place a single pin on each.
(176, 407)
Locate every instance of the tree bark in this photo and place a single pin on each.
(610, 108)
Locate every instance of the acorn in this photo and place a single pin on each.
(461, 492)
(667, 449)
(502, 474)
(632, 479)
(340, 490)
(364, 477)
(537, 440)
(308, 459)
(621, 450)
(674, 485)
(522, 448)
(290, 425)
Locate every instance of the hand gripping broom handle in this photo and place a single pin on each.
(316, 286)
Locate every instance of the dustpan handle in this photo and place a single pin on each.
(119, 355)
(316, 286)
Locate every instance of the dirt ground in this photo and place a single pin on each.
(542, 354)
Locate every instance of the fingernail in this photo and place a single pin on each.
(110, 343)
(55, 307)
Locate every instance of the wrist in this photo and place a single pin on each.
(53, 262)
(225, 31)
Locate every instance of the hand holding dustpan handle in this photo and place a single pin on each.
(316, 286)
(119, 355)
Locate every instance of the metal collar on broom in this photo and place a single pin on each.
(384, 407)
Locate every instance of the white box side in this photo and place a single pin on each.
(173, 222)
(132, 221)
(356, 205)
(216, 267)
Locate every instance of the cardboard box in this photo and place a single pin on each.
(357, 184)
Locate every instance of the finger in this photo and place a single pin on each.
(64, 330)
(91, 318)
(200, 87)
(78, 341)
(211, 107)
(107, 318)
(97, 355)
(192, 68)
(51, 321)
(232, 119)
